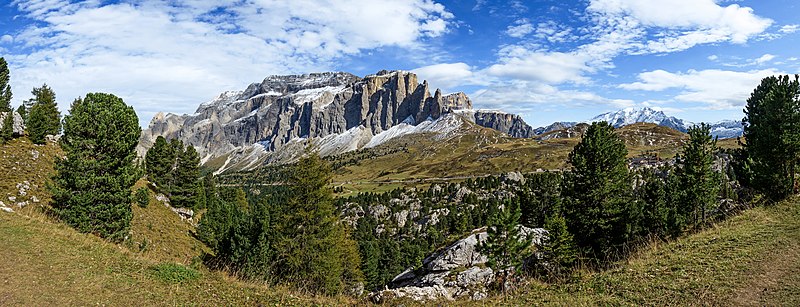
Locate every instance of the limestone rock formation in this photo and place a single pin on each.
(338, 110)
(457, 270)
(511, 124)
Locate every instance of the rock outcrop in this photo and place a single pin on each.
(511, 124)
(19, 125)
(458, 270)
(342, 111)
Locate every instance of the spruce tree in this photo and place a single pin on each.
(92, 186)
(159, 162)
(313, 248)
(600, 192)
(772, 135)
(558, 247)
(504, 246)
(5, 87)
(698, 180)
(44, 118)
(183, 192)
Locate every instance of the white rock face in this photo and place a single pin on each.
(19, 125)
(339, 111)
(457, 270)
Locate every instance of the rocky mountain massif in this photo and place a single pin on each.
(340, 112)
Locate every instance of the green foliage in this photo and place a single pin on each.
(159, 161)
(313, 250)
(699, 183)
(7, 128)
(183, 191)
(92, 188)
(504, 246)
(175, 170)
(142, 197)
(558, 247)
(772, 135)
(5, 87)
(293, 236)
(172, 273)
(44, 118)
(600, 204)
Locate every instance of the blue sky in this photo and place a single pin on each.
(547, 60)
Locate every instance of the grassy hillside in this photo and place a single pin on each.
(749, 260)
(24, 169)
(49, 264)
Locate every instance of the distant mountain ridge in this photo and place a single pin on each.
(723, 129)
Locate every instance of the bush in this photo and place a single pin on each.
(142, 197)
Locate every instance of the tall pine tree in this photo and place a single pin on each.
(5, 87)
(698, 180)
(92, 186)
(599, 187)
(159, 162)
(44, 118)
(7, 127)
(184, 190)
(772, 135)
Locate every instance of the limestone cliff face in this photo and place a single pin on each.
(285, 108)
(511, 124)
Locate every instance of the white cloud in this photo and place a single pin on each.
(713, 57)
(448, 75)
(521, 97)
(764, 59)
(788, 29)
(518, 62)
(6, 39)
(521, 28)
(707, 20)
(717, 89)
(170, 56)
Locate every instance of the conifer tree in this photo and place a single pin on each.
(159, 162)
(699, 182)
(92, 186)
(313, 248)
(772, 135)
(7, 127)
(183, 192)
(558, 247)
(5, 87)
(504, 246)
(44, 118)
(600, 192)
